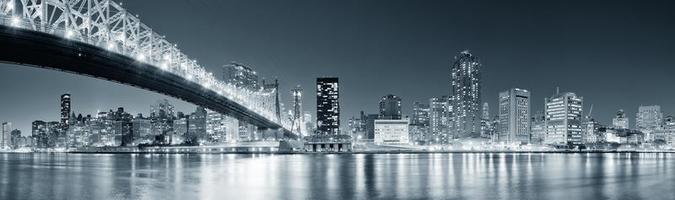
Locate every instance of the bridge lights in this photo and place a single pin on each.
(141, 57)
(15, 21)
(111, 46)
(164, 65)
(69, 34)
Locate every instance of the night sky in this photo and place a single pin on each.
(616, 54)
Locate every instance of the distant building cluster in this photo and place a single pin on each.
(442, 120)
(163, 126)
(462, 116)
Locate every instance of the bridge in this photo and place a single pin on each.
(99, 38)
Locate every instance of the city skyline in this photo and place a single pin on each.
(351, 99)
(40, 94)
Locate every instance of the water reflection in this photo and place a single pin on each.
(358, 176)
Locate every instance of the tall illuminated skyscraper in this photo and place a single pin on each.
(327, 106)
(297, 114)
(65, 111)
(514, 116)
(563, 119)
(466, 94)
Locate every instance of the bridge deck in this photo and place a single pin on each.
(36, 49)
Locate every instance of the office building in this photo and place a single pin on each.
(390, 107)
(563, 114)
(649, 119)
(327, 106)
(6, 136)
(514, 116)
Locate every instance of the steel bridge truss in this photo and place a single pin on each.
(108, 25)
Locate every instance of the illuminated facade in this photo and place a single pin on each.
(241, 76)
(390, 107)
(440, 121)
(621, 121)
(197, 126)
(215, 127)
(563, 119)
(327, 106)
(485, 121)
(466, 94)
(537, 128)
(162, 116)
(65, 111)
(649, 119)
(297, 116)
(391, 131)
(514, 116)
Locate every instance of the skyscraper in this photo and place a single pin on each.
(485, 121)
(6, 136)
(65, 111)
(514, 116)
(537, 128)
(215, 127)
(390, 107)
(39, 131)
(197, 126)
(621, 121)
(466, 94)
(162, 116)
(648, 119)
(419, 123)
(297, 115)
(440, 121)
(563, 119)
(420, 114)
(241, 76)
(327, 106)
(273, 87)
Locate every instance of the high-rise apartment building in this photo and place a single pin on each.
(466, 94)
(440, 121)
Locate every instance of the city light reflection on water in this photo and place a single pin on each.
(348, 176)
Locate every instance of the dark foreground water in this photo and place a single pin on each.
(359, 176)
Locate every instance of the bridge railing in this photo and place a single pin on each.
(108, 25)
